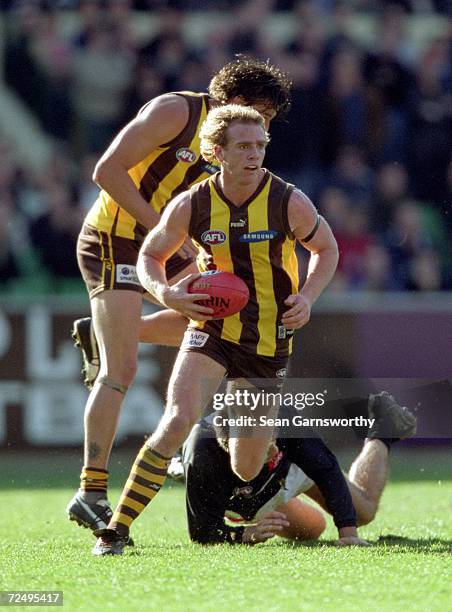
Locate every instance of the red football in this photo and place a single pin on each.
(228, 293)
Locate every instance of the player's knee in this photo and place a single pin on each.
(317, 527)
(129, 371)
(366, 515)
(122, 371)
(125, 372)
(245, 468)
(309, 527)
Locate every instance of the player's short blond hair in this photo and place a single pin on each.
(213, 130)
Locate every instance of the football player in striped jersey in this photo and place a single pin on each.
(152, 160)
(253, 344)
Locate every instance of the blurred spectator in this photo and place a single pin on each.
(391, 189)
(14, 223)
(245, 38)
(118, 13)
(38, 66)
(102, 73)
(193, 77)
(22, 71)
(446, 198)
(425, 272)
(146, 84)
(87, 190)
(54, 57)
(430, 122)
(298, 141)
(9, 268)
(390, 80)
(334, 204)
(353, 115)
(352, 174)
(406, 239)
(54, 234)
(89, 15)
(215, 54)
(341, 29)
(167, 52)
(354, 242)
(310, 29)
(9, 172)
(376, 271)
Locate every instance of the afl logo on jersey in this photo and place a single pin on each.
(213, 237)
(186, 155)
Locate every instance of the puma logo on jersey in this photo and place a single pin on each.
(238, 223)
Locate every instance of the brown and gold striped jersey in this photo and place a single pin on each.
(166, 172)
(254, 242)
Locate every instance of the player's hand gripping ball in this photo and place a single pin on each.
(228, 293)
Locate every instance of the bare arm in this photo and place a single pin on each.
(164, 240)
(161, 121)
(322, 263)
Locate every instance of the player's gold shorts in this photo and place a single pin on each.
(109, 262)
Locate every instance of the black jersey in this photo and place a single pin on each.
(215, 492)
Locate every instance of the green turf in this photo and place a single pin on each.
(408, 567)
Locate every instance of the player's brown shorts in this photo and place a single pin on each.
(109, 262)
(238, 362)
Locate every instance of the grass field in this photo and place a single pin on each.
(409, 565)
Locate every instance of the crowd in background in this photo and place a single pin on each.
(368, 136)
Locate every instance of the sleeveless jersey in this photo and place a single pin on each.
(170, 169)
(254, 242)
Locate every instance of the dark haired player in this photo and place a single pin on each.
(256, 219)
(153, 159)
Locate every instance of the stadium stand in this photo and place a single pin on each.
(368, 136)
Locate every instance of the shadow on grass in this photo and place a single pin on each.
(397, 543)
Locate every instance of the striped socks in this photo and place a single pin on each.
(93, 483)
(145, 480)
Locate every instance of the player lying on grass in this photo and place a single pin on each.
(248, 221)
(216, 497)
